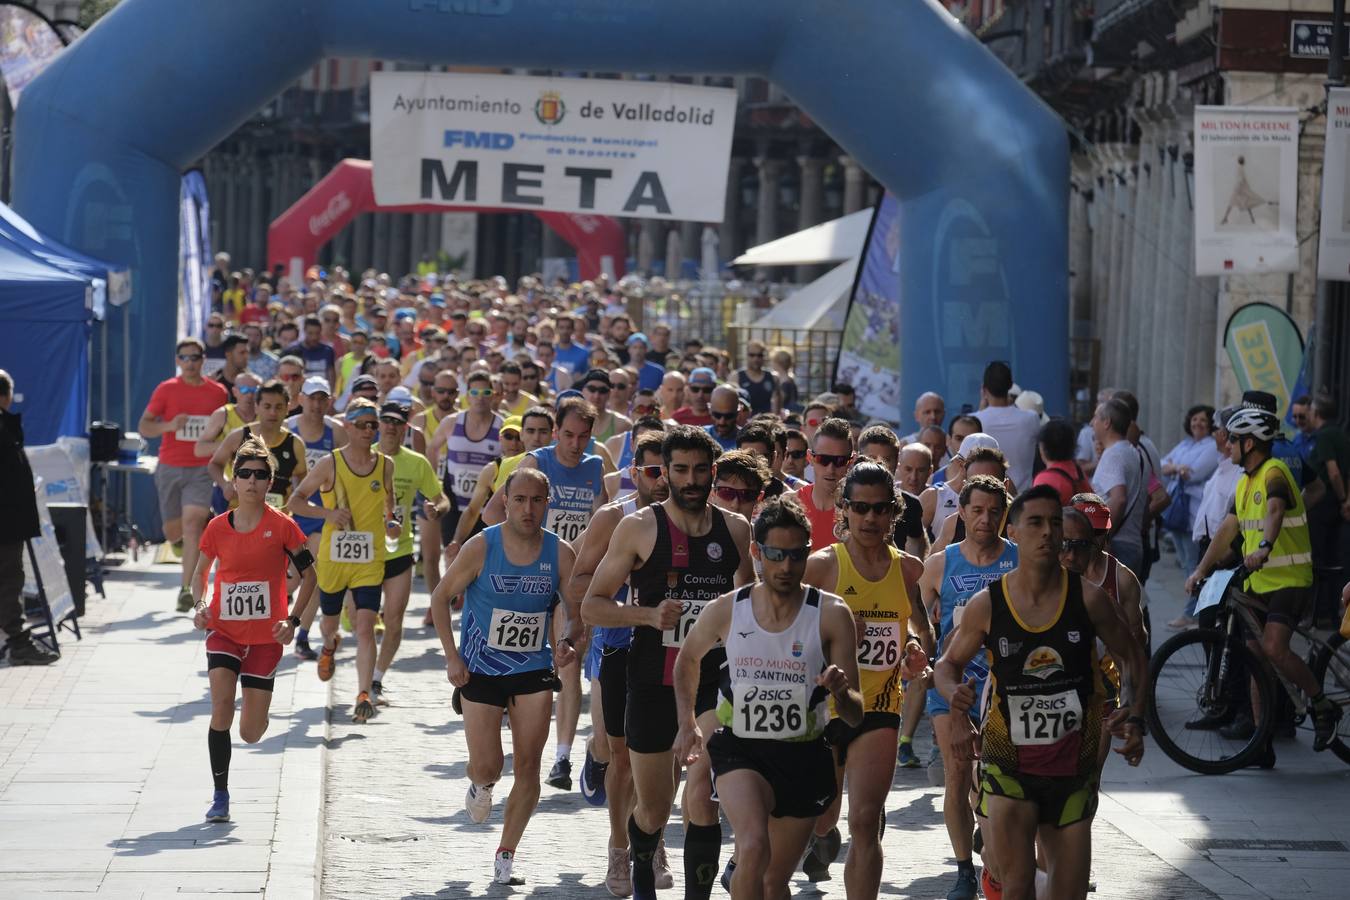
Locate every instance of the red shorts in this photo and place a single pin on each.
(255, 664)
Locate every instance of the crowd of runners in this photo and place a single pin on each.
(763, 596)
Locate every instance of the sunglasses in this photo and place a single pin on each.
(444, 391)
(1073, 545)
(736, 495)
(215, 325)
(245, 389)
(858, 507)
(645, 410)
(390, 420)
(795, 454)
(255, 474)
(755, 355)
(283, 377)
(814, 422)
(189, 357)
(480, 392)
(700, 390)
(723, 415)
(831, 460)
(778, 554)
(652, 472)
(596, 389)
(426, 383)
(367, 426)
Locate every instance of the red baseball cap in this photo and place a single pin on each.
(1098, 514)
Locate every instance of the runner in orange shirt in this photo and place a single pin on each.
(246, 617)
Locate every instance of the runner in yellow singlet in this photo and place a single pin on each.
(356, 483)
(895, 639)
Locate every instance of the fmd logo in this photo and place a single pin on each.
(463, 7)
(480, 140)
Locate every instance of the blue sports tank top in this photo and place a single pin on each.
(572, 491)
(508, 608)
(961, 580)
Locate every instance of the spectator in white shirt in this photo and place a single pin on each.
(1215, 502)
(1015, 429)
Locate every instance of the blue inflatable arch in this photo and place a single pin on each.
(979, 164)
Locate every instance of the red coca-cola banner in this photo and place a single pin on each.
(294, 239)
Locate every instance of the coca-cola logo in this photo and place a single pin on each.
(339, 205)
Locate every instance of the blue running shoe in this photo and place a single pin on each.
(906, 758)
(220, 807)
(593, 780)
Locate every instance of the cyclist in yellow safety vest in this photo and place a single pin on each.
(1269, 514)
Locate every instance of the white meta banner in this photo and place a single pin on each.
(1246, 190)
(1333, 245)
(579, 145)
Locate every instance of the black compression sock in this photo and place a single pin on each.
(643, 855)
(218, 742)
(702, 845)
(965, 865)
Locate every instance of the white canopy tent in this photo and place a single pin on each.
(821, 304)
(834, 241)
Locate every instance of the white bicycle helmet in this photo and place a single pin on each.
(1255, 422)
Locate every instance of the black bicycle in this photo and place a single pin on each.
(1207, 676)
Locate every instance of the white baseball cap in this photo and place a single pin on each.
(316, 384)
(974, 442)
(400, 395)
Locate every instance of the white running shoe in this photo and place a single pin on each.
(664, 880)
(501, 869)
(619, 879)
(478, 803)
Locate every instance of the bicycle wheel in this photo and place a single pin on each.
(1183, 686)
(1331, 668)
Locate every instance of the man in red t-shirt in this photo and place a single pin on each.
(699, 391)
(178, 412)
(831, 456)
(1058, 441)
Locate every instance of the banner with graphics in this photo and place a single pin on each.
(1266, 350)
(28, 44)
(1246, 190)
(1333, 245)
(195, 259)
(583, 145)
(869, 354)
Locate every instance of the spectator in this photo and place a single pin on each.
(1016, 430)
(847, 408)
(1061, 471)
(1328, 498)
(781, 361)
(1215, 501)
(1191, 463)
(18, 523)
(757, 382)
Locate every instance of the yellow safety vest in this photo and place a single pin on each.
(1290, 561)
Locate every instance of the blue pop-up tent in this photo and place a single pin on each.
(111, 283)
(45, 315)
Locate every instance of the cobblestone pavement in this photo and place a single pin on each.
(396, 825)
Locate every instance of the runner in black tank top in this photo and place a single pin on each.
(677, 556)
(1039, 625)
(693, 570)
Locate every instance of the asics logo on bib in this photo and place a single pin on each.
(755, 693)
(523, 584)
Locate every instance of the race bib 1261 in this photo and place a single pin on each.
(519, 632)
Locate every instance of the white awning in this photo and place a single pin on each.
(821, 304)
(835, 241)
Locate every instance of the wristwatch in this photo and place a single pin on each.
(1264, 545)
(294, 620)
(1138, 722)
